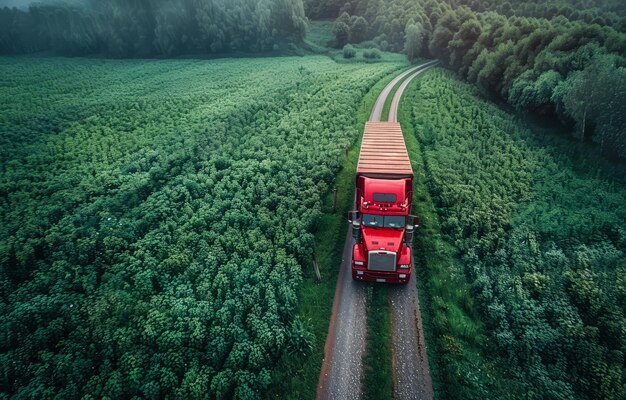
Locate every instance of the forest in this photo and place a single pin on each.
(142, 28)
(562, 60)
(155, 218)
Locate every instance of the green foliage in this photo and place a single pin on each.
(601, 12)
(349, 51)
(153, 27)
(358, 29)
(378, 379)
(372, 54)
(536, 56)
(296, 377)
(155, 217)
(341, 30)
(413, 42)
(300, 338)
(539, 230)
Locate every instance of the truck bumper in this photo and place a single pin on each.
(365, 275)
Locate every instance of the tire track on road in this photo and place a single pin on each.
(342, 368)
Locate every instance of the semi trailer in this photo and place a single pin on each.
(382, 224)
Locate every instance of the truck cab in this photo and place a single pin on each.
(382, 228)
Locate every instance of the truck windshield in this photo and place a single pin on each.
(381, 221)
(394, 221)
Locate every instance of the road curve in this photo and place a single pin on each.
(411, 371)
(342, 368)
(377, 109)
(395, 102)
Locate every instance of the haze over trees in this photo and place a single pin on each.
(155, 215)
(141, 28)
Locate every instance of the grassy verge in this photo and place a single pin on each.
(296, 377)
(378, 381)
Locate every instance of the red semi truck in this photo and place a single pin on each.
(382, 224)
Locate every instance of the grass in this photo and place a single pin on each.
(378, 381)
(297, 377)
(319, 34)
(387, 57)
(319, 37)
(385, 114)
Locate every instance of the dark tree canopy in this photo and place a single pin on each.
(138, 28)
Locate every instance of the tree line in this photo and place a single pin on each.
(140, 28)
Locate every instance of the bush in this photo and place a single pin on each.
(372, 54)
(301, 337)
(349, 51)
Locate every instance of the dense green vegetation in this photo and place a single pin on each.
(569, 66)
(153, 225)
(296, 376)
(537, 225)
(140, 28)
(601, 12)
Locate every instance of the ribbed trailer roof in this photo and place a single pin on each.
(383, 152)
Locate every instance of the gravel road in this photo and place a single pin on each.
(342, 368)
(395, 102)
(377, 110)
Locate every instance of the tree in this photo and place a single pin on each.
(349, 51)
(580, 94)
(358, 30)
(342, 33)
(413, 41)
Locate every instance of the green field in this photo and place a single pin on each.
(523, 247)
(156, 218)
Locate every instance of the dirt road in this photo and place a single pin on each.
(342, 369)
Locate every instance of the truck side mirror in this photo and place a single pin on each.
(355, 220)
(412, 224)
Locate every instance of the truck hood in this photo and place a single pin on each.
(382, 239)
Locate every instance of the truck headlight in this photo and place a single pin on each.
(358, 263)
(404, 266)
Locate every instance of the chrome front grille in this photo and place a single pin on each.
(380, 260)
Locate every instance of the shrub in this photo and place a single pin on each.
(301, 339)
(372, 54)
(349, 51)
